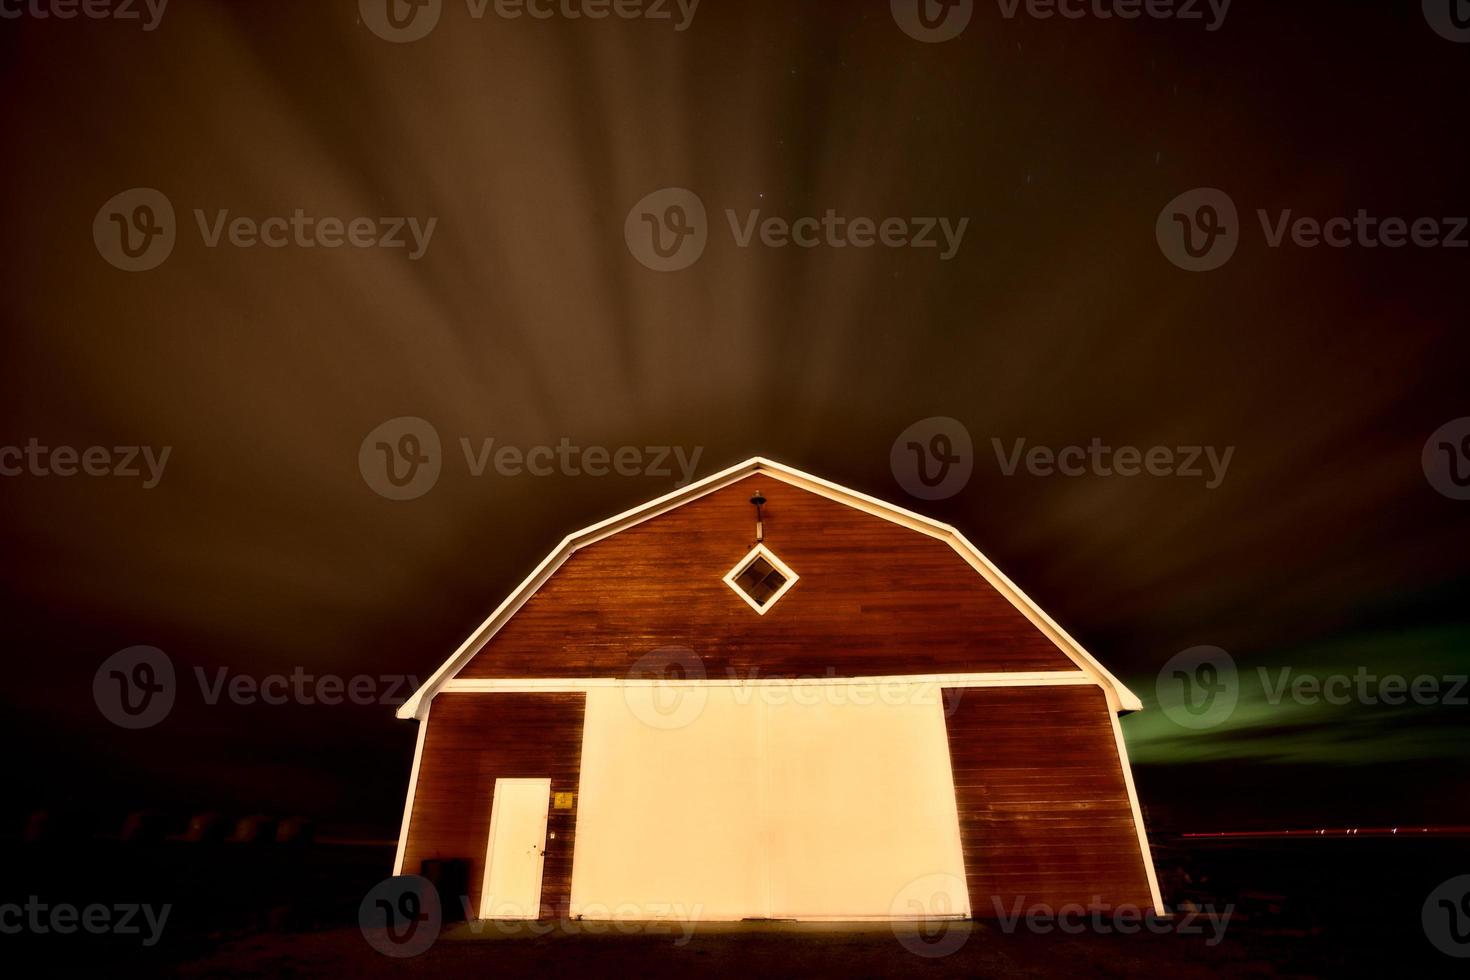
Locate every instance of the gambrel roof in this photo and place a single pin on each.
(1119, 697)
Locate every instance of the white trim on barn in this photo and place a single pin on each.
(1148, 854)
(413, 783)
(548, 685)
(1119, 697)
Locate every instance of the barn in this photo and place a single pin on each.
(765, 696)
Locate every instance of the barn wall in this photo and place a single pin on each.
(1044, 812)
(474, 739)
(873, 598)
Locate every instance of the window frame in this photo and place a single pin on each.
(761, 551)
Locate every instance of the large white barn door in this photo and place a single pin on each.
(862, 804)
(793, 801)
(668, 816)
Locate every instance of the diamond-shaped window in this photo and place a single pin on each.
(760, 578)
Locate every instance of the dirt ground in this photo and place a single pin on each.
(777, 949)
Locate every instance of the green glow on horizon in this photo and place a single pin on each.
(1287, 730)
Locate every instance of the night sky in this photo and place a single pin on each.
(528, 320)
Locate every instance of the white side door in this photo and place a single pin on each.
(517, 849)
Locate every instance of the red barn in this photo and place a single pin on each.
(767, 696)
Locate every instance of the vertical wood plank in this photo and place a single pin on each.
(1044, 812)
(474, 739)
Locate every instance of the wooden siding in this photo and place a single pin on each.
(474, 739)
(873, 598)
(1044, 811)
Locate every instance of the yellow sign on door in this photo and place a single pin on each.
(562, 801)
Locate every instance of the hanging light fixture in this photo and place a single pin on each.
(759, 500)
